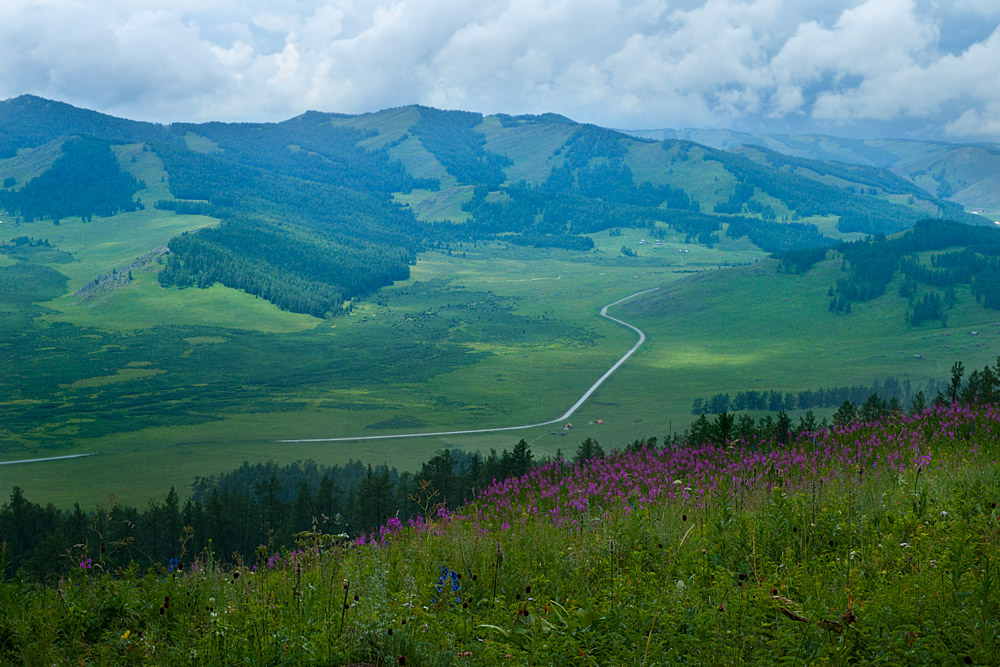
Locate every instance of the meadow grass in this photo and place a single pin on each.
(705, 181)
(104, 244)
(532, 148)
(438, 205)
(880, 548)
(390, 125)
(200, 144)
(492, 335)
(521, 337)
(421, 162)
(144, 304)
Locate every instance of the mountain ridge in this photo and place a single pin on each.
(361, 186)
(926, 163)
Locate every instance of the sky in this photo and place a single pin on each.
(904, 68)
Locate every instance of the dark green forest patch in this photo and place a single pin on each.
(934, 257)
(85, 181)
(451, 137)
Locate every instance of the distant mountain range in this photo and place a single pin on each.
(968, 174)
(324, 207)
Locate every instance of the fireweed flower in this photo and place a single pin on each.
(599, 490)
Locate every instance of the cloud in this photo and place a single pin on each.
(624, 63)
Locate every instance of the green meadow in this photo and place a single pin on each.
(165, 384)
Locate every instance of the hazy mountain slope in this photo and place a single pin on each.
(859, 178)
(962, 173)
(966, 174)
(533, 145)
(874, 152)
(309, 147)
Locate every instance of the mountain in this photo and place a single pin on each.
(965, 174)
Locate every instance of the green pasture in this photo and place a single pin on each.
(421, 162)
(438, 205)
(532, 147)
(167, 384)
(756, 328)
(104, 244)
(144, 304)
(705, 181)
(492, 335)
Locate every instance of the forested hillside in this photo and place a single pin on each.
(85, 181)
(304, 245)
(310, 208)
(932, 258)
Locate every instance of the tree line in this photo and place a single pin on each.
(231, 514)
(870, 265)
(982, 386)
(772, 400)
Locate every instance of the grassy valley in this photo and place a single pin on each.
(415, 270)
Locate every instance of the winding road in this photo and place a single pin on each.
(566, 415)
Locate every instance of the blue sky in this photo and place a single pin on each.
(916, 68)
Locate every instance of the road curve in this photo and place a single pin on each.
(566, 415)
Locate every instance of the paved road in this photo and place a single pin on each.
(562, 418)
(49, 458)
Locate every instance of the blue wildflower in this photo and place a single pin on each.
(448, 578)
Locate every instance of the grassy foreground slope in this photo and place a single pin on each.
(874, 544)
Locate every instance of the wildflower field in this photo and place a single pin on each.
(874, 543)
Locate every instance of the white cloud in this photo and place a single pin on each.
(623, 63)
(974, 123)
